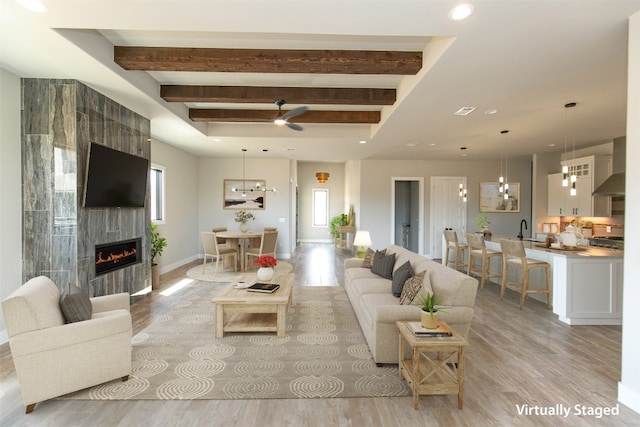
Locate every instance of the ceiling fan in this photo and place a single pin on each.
(282, 119)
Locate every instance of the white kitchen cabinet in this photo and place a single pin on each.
(590, 171)
(561, 203)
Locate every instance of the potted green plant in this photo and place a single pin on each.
(157, 246)
(483, 224)
(429, 308)
(338, 221)
(243, 217)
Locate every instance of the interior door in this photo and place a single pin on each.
(448, 210)
(407, 215)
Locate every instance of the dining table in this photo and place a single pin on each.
(237, 237)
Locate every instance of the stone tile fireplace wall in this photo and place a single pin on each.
(59, 120)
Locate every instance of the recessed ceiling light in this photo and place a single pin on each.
(217, 140)
(432, 144)
(460, 12)
(363, 142)
(464, 111)
(551, 145)
(491, 111)
(411, 144)
(290, 149)
(32, 5)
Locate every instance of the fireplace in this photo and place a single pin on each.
(117, 255)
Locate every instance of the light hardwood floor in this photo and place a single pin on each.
(514, 358)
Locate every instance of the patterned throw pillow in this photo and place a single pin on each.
(367, 262)
(411, 288)
(383, 265)
(400, 276)
(75, 305)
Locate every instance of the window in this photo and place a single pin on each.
(320, 207)
(156, 179)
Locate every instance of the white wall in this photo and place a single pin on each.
(10, 190)
(277, 213)
(306, 184)
(181, 216)
(629, 386)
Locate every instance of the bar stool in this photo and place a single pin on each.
(513, 254)
(452, 243)
(477, 249)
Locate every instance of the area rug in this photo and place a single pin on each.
(209, 275)
(324, 355)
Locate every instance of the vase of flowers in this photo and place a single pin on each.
(266, 264)
(242, 218)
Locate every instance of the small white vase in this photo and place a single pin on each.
(244, 227)
(265, 273)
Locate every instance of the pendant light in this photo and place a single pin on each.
(565, 167)
(573, 177)
(462, 191)
(257, 187)
(506, 165)
(501, 178)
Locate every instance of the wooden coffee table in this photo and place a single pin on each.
(238, 310)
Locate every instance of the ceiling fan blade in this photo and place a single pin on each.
(295, 112)
(294, 126)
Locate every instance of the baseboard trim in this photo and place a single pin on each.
(629, 397)
(170, 267)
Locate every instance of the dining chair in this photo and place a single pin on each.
(268, 244)
(220, 240)
(216, 252)
(478, 249)
(514, 255)
(458, 249)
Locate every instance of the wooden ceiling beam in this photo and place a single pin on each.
(257, 116)
(268, 60)
(293, 95)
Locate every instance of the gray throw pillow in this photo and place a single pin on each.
(383, 265)
(75, 305)
(400, 276)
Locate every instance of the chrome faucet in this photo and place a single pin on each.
(524, 221)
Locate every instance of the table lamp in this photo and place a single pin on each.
(363, 241)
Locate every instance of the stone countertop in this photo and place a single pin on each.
(581, 251)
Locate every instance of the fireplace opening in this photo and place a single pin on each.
(117, 255)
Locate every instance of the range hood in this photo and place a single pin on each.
(614, 185)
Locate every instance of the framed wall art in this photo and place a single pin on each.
(254, 199)
(491, 200)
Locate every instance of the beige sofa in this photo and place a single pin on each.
(52, 357)
(378, 310)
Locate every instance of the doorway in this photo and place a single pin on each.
(448, 210)
(407, 213)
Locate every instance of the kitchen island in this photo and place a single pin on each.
(587, 282)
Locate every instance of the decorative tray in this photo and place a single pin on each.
(564, 248)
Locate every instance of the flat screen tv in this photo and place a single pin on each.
(115, 179)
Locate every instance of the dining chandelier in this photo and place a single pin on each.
(249, 189)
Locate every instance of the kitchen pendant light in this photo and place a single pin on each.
(257, 187)
(506, 165)
(462, 191)
(573, 177)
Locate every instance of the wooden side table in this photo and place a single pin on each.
(433, 368)
(347, 234)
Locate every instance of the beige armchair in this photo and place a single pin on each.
(53, 358)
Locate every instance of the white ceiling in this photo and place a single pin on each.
(524, 58)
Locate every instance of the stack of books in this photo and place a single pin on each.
(267, 288)
(420, 331)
